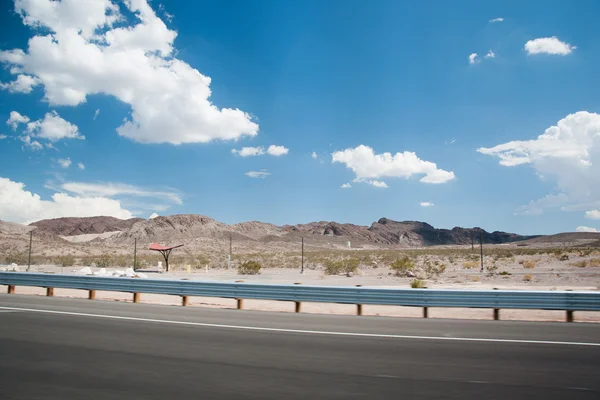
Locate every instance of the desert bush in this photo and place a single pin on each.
(433, 270)
(249, 268)
(19, 258)
(402, 265)
(580, 263)
(475, 279)
(527, 277)
(417, 284)
(529, 264)
(504, 273)
(103, 261)
(346, 266)
(470, 264)
(563, 257)
(66, 261)
(521, 262)
(594, 262)
(491, 268)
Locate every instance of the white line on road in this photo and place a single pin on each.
(285, 330)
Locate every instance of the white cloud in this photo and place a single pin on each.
(592, 214)
(490, 54)
(249, 151)
(376, 183)
(80, 166)
(153, 215)
(277, 150)
(23, 84)
(257, 174)
(314, 155)
(19, 205)
(346, 186)
(54, 128)
(500, 19)
(96, 113)
(585, 229)
(2, 136)
(64, 162)
(80, 52)
(548, 45)
(567, 154)
(29, 144)
(365, 164)
(473, 58)
(15, 119)
(426, 204)
(112, 189)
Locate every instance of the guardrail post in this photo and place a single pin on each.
(496, 314)
(49, 292)
(359, 310)
(185, 300)
(92, 295)
(136, 297)
(425, 312)
(11, 289)
(569, 315)
(240, 304)
(298, 306)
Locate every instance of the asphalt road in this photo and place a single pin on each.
(53, 348)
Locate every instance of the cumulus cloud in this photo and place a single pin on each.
(592, 214)
(567, 154)
(346, 186)
(376, 183)
(81, 51)
(64, 162)
(490, 54)
(80, 166)
(54, 128)
(29, 144)
(277, 150)
(257, 174)
(426, 204)
(249, 151)
(367, 165)
(500, 19)
(585, 229)
(473, 58)
(23, 84)
(22, 206)
(548, 45)
(15, 119)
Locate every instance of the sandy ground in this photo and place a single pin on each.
(578, 279)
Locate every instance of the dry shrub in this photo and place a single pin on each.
(66, 261)
(402, 265)
(249, 268)
(528, 277)
(529, 264)
(475, 279)
(346, 266)
(417, 284)
(521, 262)
(594, 262)
(470, 264)
(580, 264)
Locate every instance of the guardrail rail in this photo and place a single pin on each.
(568, 301)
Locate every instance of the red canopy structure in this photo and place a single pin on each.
(165, 251)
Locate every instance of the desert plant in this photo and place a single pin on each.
(580, 263)
(491, 268)
(594, 262)
(347, 266)
(417, 284)
(402, 265)
(19, 258)
(249, 268)
(527, 277)
(475, 278)
(529, 264)
(563, 257)
(504, 273)
(103, 261)
(470, 264)
(66, 261)
(521, 262)
(433, 269)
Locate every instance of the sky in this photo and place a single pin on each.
(462, 113)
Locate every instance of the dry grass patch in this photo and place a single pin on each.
(470, 264)
(529, 264)
(594, 262)
(580, 263)
(527, 277)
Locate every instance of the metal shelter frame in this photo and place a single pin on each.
(165, 251)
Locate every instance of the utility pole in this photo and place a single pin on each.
(302, 268)
(481, 248)
(472, 241)
(230, 252)
(30, 244)
(134, 253)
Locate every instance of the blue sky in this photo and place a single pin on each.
(336, 84)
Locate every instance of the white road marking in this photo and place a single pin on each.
(285, 330)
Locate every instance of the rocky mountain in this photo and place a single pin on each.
(11, 228)
(80, 226)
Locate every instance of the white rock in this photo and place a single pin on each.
(101, 272)
(85, 270)
(14, 265)
(129, 272)
(3, 269)
(141, 275)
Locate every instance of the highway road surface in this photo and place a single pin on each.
(57, 348)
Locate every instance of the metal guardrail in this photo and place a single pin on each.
(495, 299)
